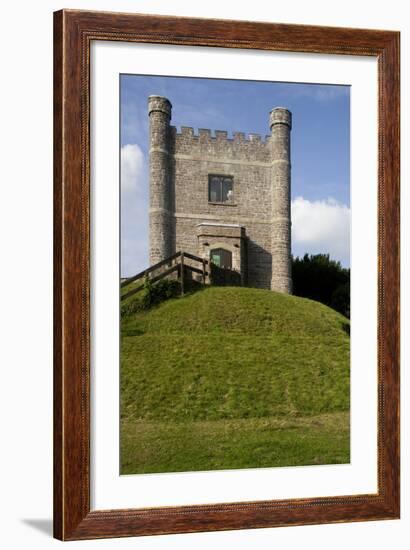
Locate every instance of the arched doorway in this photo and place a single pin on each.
(222, 258)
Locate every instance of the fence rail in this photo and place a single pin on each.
(149, 270)
(175, 263)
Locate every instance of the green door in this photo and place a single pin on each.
(222, 258)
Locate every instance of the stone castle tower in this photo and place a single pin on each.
(227, 200)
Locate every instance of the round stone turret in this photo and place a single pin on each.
(160, 225)
(280, 124)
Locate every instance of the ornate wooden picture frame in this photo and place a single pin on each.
(74, 31)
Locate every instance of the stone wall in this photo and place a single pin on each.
(247, 160)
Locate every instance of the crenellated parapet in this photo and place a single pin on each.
(219, 135)
(187, 141)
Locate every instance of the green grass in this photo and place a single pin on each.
(234, 378)
(153, 447)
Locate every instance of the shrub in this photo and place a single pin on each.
(130, 307)
(155, 293)
(152, 294)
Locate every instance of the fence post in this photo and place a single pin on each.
(182, 273)
(203, 271)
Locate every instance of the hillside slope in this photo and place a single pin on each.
(234, 353)
(226, 359)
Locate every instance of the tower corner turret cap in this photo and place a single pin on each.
(280, 115)
(159, 103)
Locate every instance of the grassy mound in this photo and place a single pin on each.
(210, 361)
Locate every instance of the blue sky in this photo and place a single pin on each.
(320, 152)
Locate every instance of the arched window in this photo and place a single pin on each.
(222, 258)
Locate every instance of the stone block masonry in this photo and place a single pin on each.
(250, 221)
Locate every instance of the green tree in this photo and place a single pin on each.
(319, 278)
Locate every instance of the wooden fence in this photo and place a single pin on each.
(175, 263)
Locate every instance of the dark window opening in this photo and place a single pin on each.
(220, 189)
(222, 258)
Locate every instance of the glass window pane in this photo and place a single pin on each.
(215, 257)
(227, 194)
(215, 190)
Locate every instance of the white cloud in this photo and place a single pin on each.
(134, 210)
(321, 226)
(132, 163)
